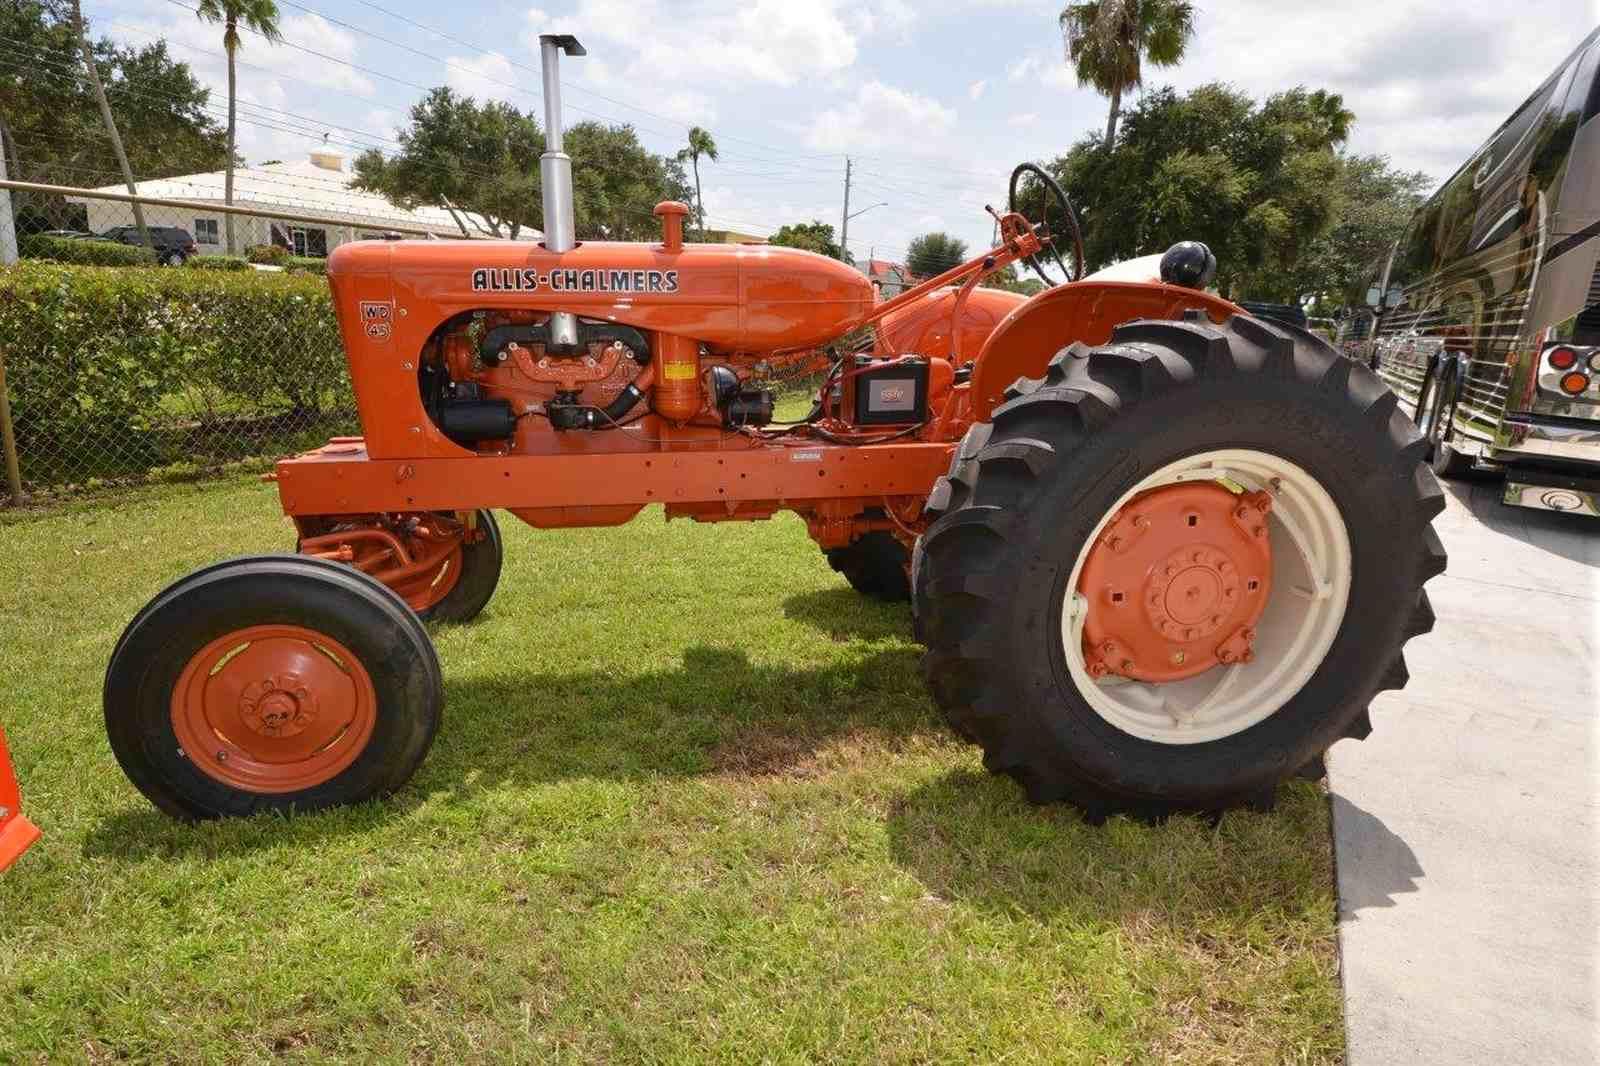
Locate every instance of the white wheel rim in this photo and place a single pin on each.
(1310, 590)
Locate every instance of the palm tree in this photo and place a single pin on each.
(700, 144)
(258, 15)
(1109, 41)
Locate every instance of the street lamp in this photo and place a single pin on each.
(844, 226)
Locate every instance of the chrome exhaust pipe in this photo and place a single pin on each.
(555, 173)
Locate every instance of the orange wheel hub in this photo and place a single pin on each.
(1176, 581)
(273, 708)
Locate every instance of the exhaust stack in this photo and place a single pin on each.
(555, 173)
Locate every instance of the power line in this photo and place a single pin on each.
(782, 152)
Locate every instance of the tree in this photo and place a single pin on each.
(617, 182)
(465, 158)
(813, 236)
(60, 137)
(1006, 278)
(933, 253)
(1257, 183)
(1375, 203)
(700, 144)
(1109, 41)
(482, 160)
(262, 17)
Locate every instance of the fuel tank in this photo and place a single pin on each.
(925, 327)
(728, 297)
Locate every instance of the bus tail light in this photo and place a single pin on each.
(1562, 357)
(1574, 384)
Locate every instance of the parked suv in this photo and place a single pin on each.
(173, 245)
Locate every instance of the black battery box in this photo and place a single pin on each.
(887, 392)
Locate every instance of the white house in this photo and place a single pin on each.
(320, 208)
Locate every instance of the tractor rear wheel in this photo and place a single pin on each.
(875, 565)
(1172, 572)
(273, 682)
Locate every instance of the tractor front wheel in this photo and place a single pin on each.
(1172, 572)
(274, 682)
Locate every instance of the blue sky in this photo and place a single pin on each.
(934, 100)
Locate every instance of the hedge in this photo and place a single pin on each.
(303, 264)
(88, 252)
(271, 254)
(219, 262)
(138, 368)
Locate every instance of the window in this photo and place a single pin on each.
(311, 242)
(205, 231)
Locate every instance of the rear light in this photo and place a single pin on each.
(1594, 362)
(1562, 358)
(1574, 383)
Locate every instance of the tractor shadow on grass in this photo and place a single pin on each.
(971, 837)
(845, 614)
(715, 712)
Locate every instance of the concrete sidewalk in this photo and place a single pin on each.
(1466, 826)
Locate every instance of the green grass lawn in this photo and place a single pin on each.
(689, 802)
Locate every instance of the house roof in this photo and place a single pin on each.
(318, 188)
(883, 268)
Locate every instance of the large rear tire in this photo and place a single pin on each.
(271, 683)
(1263, 411)
(875, 565)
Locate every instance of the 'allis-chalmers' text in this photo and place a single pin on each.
(512, 279)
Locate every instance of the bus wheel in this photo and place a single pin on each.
(1436, 422)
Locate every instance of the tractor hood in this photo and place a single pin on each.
(728, 297)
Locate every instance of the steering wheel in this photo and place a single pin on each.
(1064, 212)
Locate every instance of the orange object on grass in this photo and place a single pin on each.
(17, 833)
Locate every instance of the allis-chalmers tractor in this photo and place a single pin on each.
(1162, 554)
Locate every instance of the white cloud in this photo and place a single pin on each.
(882, 117)
(486, 76)
(975, 90)
(1427, 83)
(1026, 119)
(716, 42)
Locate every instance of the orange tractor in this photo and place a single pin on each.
(17, 834)
(1162, 554)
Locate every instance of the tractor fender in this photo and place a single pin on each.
(1023, 343)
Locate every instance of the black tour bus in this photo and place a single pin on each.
(1485, 318)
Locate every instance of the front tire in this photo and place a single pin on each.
(482, 558)
(271, 683)
(1000, 578)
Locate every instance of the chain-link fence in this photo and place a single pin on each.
(135, 352)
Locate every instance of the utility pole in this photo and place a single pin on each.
(8, 226)
(844, 220)
(8, 255)
(111, 123)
